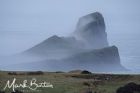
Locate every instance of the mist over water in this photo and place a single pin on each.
(128, 45)
(26, 23)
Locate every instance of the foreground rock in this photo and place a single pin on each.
(129, 88)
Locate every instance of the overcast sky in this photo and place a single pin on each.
(24, 23)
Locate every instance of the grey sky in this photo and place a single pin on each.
(24, 23)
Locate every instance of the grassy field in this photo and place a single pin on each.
(69, 82)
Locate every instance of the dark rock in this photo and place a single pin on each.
(2, 92)
(86, 72)
(35, 73)
(129, 88)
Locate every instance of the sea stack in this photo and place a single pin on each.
(91, 30)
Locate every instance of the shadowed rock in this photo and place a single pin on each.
(129, 88)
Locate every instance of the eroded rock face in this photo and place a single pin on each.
(91, 30)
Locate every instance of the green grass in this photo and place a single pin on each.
(72, 83)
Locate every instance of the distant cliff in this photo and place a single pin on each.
(86, 49)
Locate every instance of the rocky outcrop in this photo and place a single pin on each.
(90, 34)
(91, 30)
(129, 88)
(87, 49)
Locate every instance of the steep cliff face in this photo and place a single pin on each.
(91, 30)
(105, 59)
